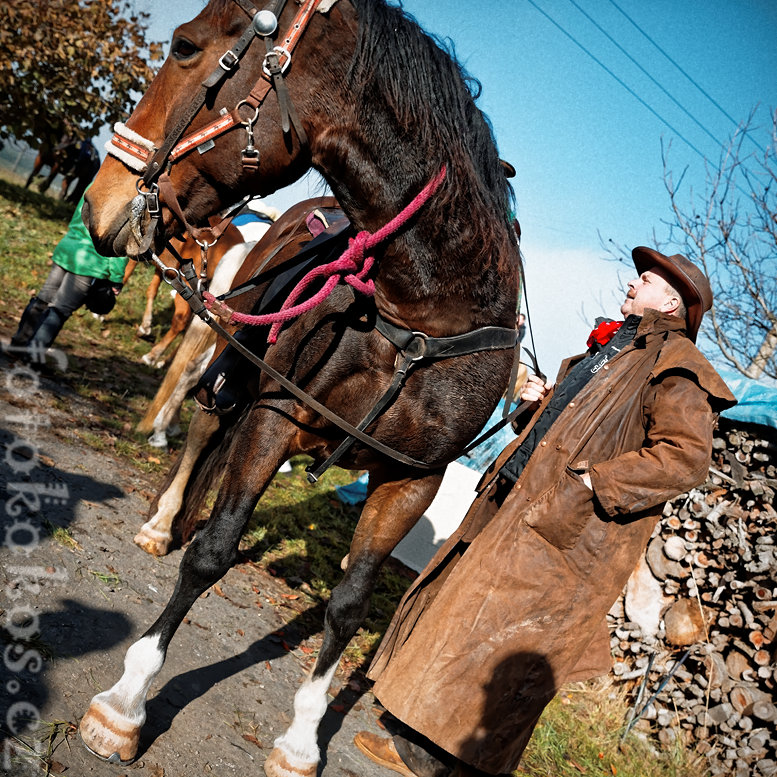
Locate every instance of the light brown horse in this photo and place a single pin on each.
(385, 114)
(231, 241)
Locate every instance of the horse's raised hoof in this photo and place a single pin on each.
(280, 764)
(107, 734)
(152, 541)
(144, 332)
(151, 360)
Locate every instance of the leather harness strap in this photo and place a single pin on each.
(414, 347)
(420, 346)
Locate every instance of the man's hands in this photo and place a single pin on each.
(534, 389)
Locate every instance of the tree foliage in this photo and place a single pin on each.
(70, 65)
(730, 230)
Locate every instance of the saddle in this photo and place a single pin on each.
(217, 392)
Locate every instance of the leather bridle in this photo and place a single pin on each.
(154, 164)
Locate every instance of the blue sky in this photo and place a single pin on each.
(587, 150)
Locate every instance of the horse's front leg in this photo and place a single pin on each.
(391, 510)
(111, 726)
(144, 328)
(156, 534)
(182, 315)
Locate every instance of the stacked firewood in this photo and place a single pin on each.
(698, 619)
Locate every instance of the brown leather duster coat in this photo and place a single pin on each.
(520, 592)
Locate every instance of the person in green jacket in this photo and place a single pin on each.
(80, 275)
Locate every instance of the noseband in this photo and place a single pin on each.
(154, 164)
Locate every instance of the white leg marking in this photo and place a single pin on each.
(300, 742)
(127, 699)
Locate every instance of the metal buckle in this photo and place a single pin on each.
(152, 197)
(152, 202)
(228, 65)
(278, 51)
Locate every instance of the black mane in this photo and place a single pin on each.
(404, 77)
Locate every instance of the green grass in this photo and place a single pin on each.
(580, 732)
(299, 532)
(62, 535)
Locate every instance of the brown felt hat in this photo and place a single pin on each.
(684, 276)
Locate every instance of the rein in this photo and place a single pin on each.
(416, 349)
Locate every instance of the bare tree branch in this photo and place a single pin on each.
(730, 230)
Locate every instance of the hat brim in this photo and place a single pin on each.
(646, 258)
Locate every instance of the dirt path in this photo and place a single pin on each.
(227, 687)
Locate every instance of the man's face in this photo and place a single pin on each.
(650, 290)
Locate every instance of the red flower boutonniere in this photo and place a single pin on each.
(603, 333)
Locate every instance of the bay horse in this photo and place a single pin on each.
(387, 116)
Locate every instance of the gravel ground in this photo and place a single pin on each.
(227, 687)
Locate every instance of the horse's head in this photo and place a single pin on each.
(209, 131)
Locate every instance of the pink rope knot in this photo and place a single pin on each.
(352, 267)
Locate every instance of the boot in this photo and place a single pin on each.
(50, 325)
(423, 757)
(381, 750)
(29, 322)
(221, 389)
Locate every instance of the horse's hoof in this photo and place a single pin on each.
(152, 541)
(143, 331)
(280, 764)
(158, 439)
(150, 359)
(107, 734)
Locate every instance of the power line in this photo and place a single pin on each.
(617, 78)
(624, 51)
(708, 96)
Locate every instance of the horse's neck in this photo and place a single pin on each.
(425, 279)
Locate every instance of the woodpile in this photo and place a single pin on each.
(698, 619)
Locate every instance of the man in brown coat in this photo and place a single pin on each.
(514, 603)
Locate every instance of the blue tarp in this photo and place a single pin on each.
(756, 401)
(481, 457)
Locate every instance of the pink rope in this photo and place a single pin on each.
(345, 268)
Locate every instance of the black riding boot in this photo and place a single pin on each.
(29, 322)
(50, 325)
(221, 389)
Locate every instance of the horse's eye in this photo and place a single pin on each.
(182, 49)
